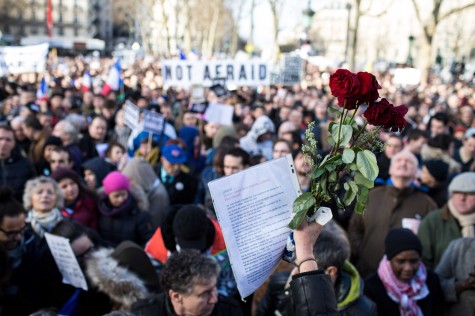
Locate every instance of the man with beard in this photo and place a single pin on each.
(394, 205)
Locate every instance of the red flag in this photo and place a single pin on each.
(49, 18)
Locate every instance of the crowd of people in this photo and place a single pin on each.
(140, 219)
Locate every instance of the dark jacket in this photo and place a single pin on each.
(127, 222)
(160, 305)
(84, 211)
(432, 305)
(87, 146)
(15, 172)
(182, 189)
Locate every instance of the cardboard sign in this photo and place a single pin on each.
(219, 113)
(199, 108)
(197, 94)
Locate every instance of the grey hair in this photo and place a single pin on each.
(331, 249)
(186, 268)
(70, 129)
(31, 186)
(77, 120)
(406, 153)
(17, 120)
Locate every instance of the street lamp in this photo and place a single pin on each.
(308, 14)
(409, 54)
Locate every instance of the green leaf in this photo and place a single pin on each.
(333, 177)
(345, 134)
(353, 167)
(303, 203)
(318, 172)
(361, 200)
(366, 163)
(349, 197)
(353, 186)
(297, 220)
(362, 181)
(346, 186)
(330, 160)
(348, 155)
(333, 110)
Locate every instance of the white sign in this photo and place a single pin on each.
(22, 59)
(407, 76)
(66, 261)
(131, 114)
(197, 94)
(254, 207)
(153, 122)
(184, 73)
(219, 113)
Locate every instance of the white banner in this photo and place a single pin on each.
(22, 59)
(184, 73)
(132, 114)
(219, 113)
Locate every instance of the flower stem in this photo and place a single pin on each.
(337, 145)
(354, 114)
(360, 131)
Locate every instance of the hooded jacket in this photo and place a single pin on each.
(250, 142)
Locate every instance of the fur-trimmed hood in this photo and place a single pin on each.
(120, 284)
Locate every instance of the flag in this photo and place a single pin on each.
(182, 55)
(49, 17)
(86, 82)
(42, 92)
(114, 81)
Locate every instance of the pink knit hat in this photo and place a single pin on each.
(115, 181)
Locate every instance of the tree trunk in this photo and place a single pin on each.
(354, 42)
(213, 28)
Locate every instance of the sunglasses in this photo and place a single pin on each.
(12, 233)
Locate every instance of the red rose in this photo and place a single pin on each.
(369, 86)
(397, 122)
(350, 103)
(344, 84)
(379, 113)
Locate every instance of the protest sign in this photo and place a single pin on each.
(184, 73)
(199, 108)
(153, 122)
(131, 114)
(23, 59)
(289, 72)
(406, 76)
(197, 94)
(253, 208)
(66, 261)
(219, 113)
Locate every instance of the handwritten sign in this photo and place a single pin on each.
(254, 207)
(66, 261)
(131, 116)
(153, 122)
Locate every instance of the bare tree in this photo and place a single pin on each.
(236, 25)
(429, 28)
(276, 9)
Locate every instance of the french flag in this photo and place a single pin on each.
(86, 82)
(114, 80)
(42, 92)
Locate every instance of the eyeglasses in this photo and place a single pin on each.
(11, 234)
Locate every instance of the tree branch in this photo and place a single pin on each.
(455, 10)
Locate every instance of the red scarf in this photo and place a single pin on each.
(405, 294)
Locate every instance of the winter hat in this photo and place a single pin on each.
(133, 257)
(437, 168)
(63, 173)
(99, 167)
(399, 240)
(464, 182)
(174, 154)
(190, 227)
(115, 181)
(53, 140)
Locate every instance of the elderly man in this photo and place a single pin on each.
(396, 204)
(69, 136)
(454, 220)
(189, 288)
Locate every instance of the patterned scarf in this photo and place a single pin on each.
(467, 221)
(405, 294)
(43, 222)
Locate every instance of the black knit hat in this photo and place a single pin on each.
(190, 227)
(438, 169)
(399, 240)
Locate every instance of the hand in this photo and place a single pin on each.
(305, 237)
(467, 284)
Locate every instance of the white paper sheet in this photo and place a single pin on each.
(219, 113)
(254, 208)
(66, 261)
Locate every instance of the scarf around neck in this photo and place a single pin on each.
(43, 222)
(405, 294)
(467, 221)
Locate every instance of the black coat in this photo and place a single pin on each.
(130, 224)
(160, 305)
(182, 189)
(15, 172)
(432, 305)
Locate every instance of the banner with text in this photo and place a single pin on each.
(23, 59)
(184, 73)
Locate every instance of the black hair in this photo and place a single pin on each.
(330, 250)
(416, 134)
(239, 152)
(33, 122)
(9, 206)
(442, 141)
